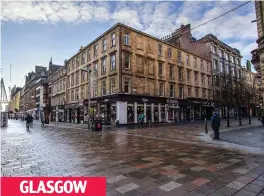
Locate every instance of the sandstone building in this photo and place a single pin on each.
(133, 72)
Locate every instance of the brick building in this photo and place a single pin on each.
(133, 72)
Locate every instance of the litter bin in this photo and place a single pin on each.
(97, 125)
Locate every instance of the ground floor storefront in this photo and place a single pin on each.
(126, 109)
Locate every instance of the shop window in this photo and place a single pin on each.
(103, 88)
(104, 45)
(112, 85)
(113, 62)
(171, 71)
(127, 60)
(172, 93)
(130, 113)
(169, 53)
(103, 67)
(160, 69)
(161, 89)
(159, 49)
(127, 85)
(113, 40)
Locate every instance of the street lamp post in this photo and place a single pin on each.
(89, 95)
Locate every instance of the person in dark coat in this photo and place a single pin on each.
(215, 124)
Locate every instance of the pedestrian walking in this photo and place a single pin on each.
(42, 122)
(215, 124)
(141, 118)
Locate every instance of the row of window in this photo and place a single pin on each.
(59, 86)
(75, 63)
(225, 55)
(226, 69)
(75, 95)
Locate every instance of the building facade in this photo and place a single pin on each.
(133, 72)
(31, 94)
(258, 54)
(58, 95)
(226, 61)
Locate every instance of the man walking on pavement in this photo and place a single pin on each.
(215, 124)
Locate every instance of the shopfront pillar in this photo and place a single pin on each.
(159, 111)
(152, 112)
(166, 113)
(135, 112)
(121, 112)
(145, 112)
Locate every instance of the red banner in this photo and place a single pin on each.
(28, 186)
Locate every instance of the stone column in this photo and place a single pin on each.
(166, 113)
(135, 112)
(152, 112)
(159, 111)
(145, 112)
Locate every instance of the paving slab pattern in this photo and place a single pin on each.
(132, 165)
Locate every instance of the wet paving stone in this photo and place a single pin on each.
(133, 165)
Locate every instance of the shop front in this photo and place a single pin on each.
(127, 108)
(74, 113)
(198, 108)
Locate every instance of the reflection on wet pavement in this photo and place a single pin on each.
(132, 165)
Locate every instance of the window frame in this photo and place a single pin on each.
(113, 62)
(127, 39)
(113, 40)
(172, 91)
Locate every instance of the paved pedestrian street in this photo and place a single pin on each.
(133, 164)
